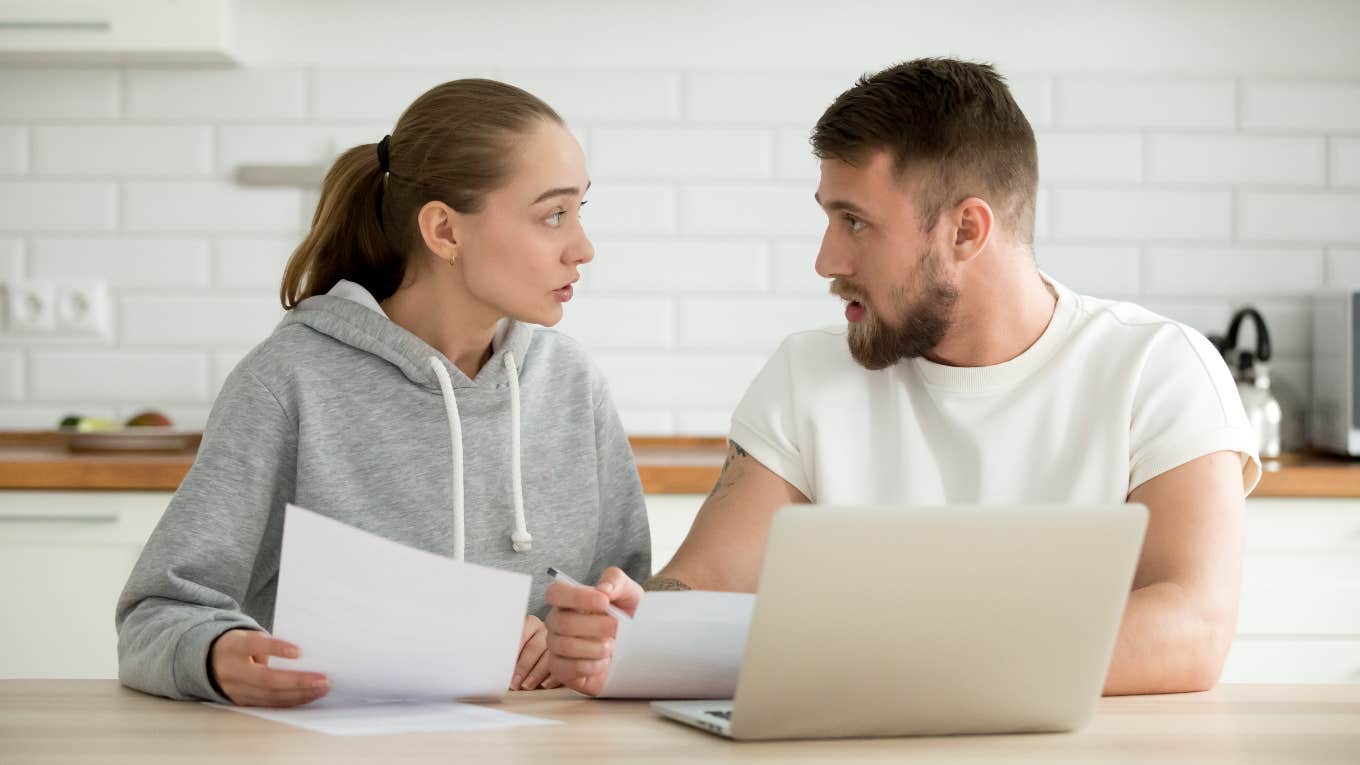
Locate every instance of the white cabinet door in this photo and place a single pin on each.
(64, 557)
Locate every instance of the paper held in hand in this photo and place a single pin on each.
(681, 645)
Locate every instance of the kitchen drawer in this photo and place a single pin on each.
(1303, 524)
(1298, 593)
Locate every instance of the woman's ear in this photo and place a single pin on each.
(439, 228)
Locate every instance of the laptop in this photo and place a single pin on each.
(930, 621)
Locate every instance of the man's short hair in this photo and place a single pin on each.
(951, 126)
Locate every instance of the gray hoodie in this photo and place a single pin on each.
(345, 413)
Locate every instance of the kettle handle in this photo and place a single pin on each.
(1262, 336)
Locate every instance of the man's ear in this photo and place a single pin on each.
(972, 222)
(439, 226)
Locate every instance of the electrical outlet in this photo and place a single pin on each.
(30, 309)
(82, 310)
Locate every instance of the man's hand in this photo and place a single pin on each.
(531, 670)
(581, 632)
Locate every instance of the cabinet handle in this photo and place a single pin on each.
(64, 516)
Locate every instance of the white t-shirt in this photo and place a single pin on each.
(1109, 396)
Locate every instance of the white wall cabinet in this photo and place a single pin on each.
(116, 31)
(64, 557)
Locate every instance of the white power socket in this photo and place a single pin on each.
(44, 309)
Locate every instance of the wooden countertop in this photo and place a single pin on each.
(40, 460)
(78, 721)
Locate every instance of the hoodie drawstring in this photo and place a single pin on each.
(520, 540)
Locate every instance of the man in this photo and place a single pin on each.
(965, 375)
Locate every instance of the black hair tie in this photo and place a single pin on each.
(384, 153)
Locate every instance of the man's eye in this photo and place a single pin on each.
(855, 224)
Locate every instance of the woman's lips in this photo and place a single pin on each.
(564, 294)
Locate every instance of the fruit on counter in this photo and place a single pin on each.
(84, 424)
(150, 420)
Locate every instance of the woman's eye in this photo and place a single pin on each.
(554, 220)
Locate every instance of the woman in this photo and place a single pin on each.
(404, 393)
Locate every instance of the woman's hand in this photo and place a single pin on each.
(239, 660)
(531, 671)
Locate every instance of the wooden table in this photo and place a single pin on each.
(66, 721)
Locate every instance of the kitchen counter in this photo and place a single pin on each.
(40, 460)
(72, 721)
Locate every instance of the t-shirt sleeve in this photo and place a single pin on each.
(1186, 406)
(765, 423)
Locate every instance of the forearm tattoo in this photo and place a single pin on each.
(724, 482)
(664, 583)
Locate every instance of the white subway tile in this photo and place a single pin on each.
(1128, 102)
(679, 153)
(378, 95)
(223, 362)
(209, 207)
(1242, 159)
(794, 99)
(647, 422)
(1207, 315)
(1343, 268)
(1289, 320)
(1077, 157)
(647, 380)
(629, 208)
(757, 324)
(289, 145)
(754, 209)
(677, 266)
(1310, 106)
(42, 94)
(13, 150)
(1141, 214)
(1101, 271)
(11, 259)
(11, 376)
(122, 150)
(795, 268)
(617, 323)
(130, 263)
(793, 155)
(1231, 272)
(46, 205)
(1285, 216)
(703, 422)
(251, 263)
(35, 416)
(118, 376)
(1034, 95)
(1345, 169)
(200, 321)
(1042, 217)
(604, 96)
(249, 94)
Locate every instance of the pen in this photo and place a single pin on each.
(611, 608)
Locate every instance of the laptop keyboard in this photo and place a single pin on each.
(725, 714)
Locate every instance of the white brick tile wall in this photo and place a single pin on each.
(618, 323)
(751, 209)
(88, 150)
(1230, 272)
(1301, 105)
(795, 268)
(251, 263)
(197, 321)
(33, 415)
(222, 363)
(1034, 95)
(1243, 159)
(1088, 101)
(678, 380)
(1141, 214)
(678, 265)
(626, 209)
(130, 263)
(230, 95)
(1298, 217)
(11, 376)
(52, 94)
(648, 422)
(1289, 320)
(13, 150)
(1343, 268)
(1081, 157)
(211, 207)
(11, 259)
(282, 144)
(773, 98)
(751, 323)
(704, 153)
(52, 206)
(703, 422)
(119, 375)
(793, 155)
(372, 95)
(604, 96)
(1345, 169)
(1099, 270)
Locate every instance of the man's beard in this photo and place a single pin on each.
(876, 344)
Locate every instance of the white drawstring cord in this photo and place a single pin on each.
(519, 538)
(456, 442)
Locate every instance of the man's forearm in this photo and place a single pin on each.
(663, 583)
(1167, 644)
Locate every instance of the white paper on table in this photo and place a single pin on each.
(391, 717)
(681, 645)
(386, 621)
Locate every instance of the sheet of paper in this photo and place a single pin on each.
(392, 717)
(681, 645)
(387, 621)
